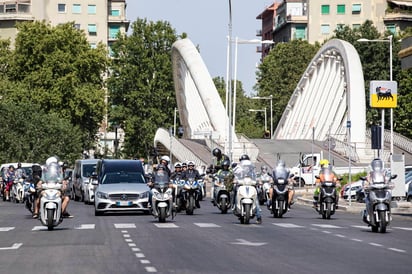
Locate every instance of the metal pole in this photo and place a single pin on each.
(266, 121)
(382, 132)
(174, 123)
(271, 116)
(230, 81)
(390, 76)
(234, 87)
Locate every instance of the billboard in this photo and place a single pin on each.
(383, 94)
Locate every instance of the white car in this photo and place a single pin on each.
(353, 188)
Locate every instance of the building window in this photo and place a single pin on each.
(11, 8)
(325, 9)
(356, 8)
(77, 8)
(93, 45)
(91, 9)
(113, 30)
(114, 12)
(92, 29)
(356, 26)
(325, 29)
(300, 32)
(61, 8)
(340, 9)
(391, 28)
(76, 26)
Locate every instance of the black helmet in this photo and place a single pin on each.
(244, 157)
(18, 165)
(217, 153)
(226, 163)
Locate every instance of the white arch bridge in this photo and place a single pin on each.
(329, 96)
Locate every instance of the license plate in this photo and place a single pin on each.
(123, 203)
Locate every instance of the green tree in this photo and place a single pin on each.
(61, 73)
(280, 72)
(142, 96)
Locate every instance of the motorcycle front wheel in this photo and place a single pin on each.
(223, 205)
(50, 216)
(326, 214)
(190, 205)
(382, 223)
(247, 214)
(162, 215)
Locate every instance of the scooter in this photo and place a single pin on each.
(378, 202)
(221, 195)
(29, 190)
(246, 194)
(51, 203)
(162, 200)
(328, 195)
(280, 194)
(178, 188)
(17, 191)
(263, 188)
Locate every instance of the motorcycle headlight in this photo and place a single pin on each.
(102, 195)
(51, 195)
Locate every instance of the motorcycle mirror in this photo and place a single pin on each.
(394, 176)
(317, 177)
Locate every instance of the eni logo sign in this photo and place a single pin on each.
(383, 94)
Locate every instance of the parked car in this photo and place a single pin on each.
(408, 180)
(121, 187)
(409, 193)
(354, 187)
(83, 169)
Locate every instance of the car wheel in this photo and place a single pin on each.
(98, 213)
(409, 199)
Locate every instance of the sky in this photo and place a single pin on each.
(206, 23)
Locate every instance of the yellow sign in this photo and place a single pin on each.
(383, 94)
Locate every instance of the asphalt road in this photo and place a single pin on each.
(207, 242)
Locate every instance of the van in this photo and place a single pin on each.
(82, 171)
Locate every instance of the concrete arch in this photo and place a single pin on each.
(330, 93)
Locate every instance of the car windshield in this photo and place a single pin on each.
(123, 178)
(88, 169)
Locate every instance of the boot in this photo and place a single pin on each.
(197, 203)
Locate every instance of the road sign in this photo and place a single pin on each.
(383, 94)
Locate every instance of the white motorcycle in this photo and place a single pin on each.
(246, 194)
(17, 191)
(51, 197)
(162, 200)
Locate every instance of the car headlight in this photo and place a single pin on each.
(144, 195)
(102, 195)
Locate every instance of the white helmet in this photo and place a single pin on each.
(52, 159)
(166, 158)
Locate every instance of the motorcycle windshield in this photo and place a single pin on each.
(52, 173)
(378, 177)
(327, 176)
(246, 171)
(281, 173)
(161, 180)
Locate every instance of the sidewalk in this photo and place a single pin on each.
(304, 196)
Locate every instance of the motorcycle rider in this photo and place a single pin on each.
(159, 171)
(165, 161)
(20, 172)
(9, 177)
(324, 165)
(264, 175)
(191, 172)
(291, 191)
(220, 157)
(52, 161)
(177, 173)
(226, 175)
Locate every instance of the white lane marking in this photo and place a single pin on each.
(144, 261)
(14, 246)
(124, 231)
(340, 235)
(140, 255)
(360, 226)
(375, 244)
(166, 225)
(132, 244)
(39, 227)
(206, 225)
(85, 226)
(124, 225)
(327, 232)
(397, 250)
(150, 269)
(136, 249)
(403, 228)
(357, 240)
(244, 242)
(326, 226)
(128, 240)
(288, 225)
(126, 235)
(6, 228)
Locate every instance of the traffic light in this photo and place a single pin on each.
(180, 132)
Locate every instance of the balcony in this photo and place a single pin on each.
(15, 11)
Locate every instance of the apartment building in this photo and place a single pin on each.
(101, 20)
(316, 20)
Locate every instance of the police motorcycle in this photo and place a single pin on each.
(246, 194)
(280, 194)
(327, 193)
(190, 193)
(162, 199)
(378, 199)
(51, 196)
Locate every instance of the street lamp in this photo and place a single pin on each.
(261, 110)
(174, 122)
(241, 41)
(389, 40)
(270, 97)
